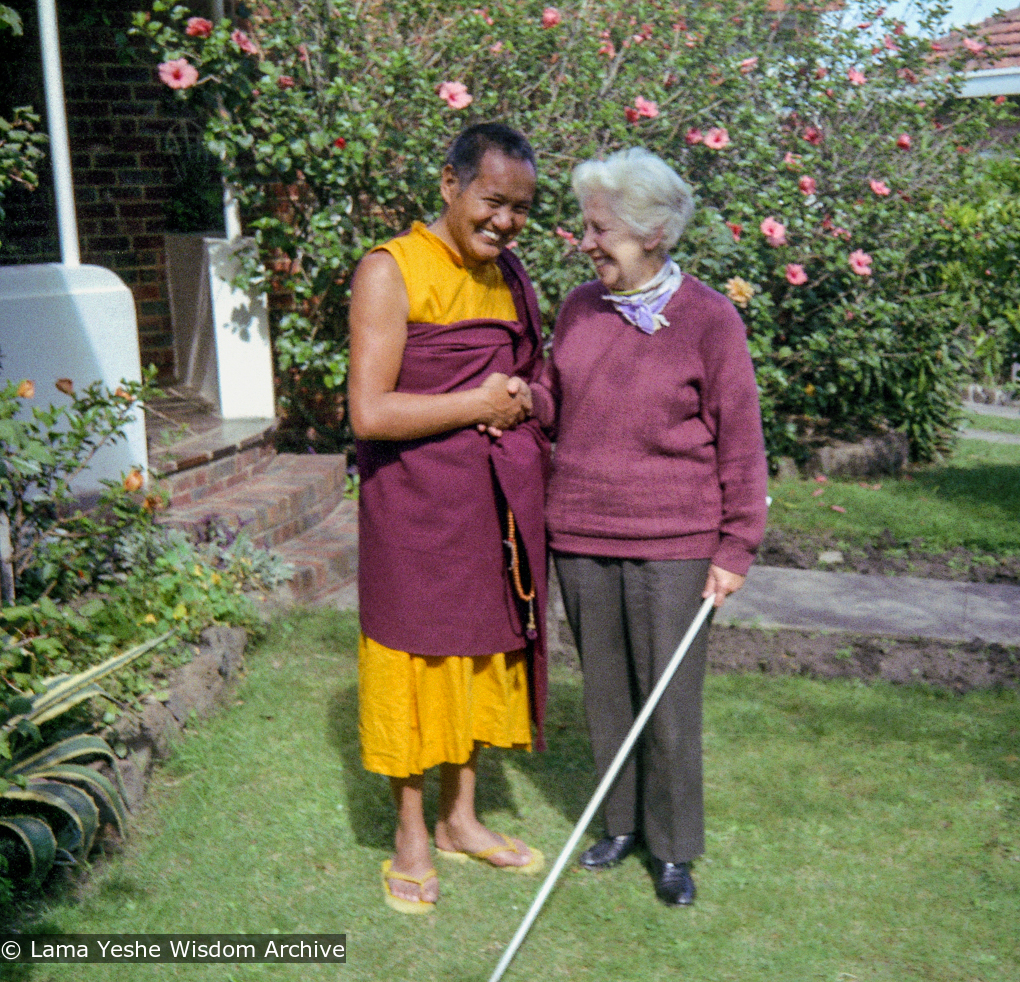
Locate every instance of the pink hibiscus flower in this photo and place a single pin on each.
(774, 231)
(245, 43)
(856, 77)
(495, 49)
(645, 107)
(178, 74)
(860, 262)
(693, 136)
(792, 161)
(807, 185)
(813, 135)
(735, 229)
(198, 27)
(748, 65)
(608, 49)
(717, 138)
(632, 114)
(455, 94)
(903, 141)
(285, 82)
(880, 188)
(795, 274)
(551, 17)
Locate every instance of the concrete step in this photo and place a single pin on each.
(291, 495)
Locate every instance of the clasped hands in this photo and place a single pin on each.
(506, 402)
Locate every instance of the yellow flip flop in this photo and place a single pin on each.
(401, 904)
(535, 865)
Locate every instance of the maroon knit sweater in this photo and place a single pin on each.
(659, 451)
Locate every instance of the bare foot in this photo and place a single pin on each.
(427, 891)
(412, 858)
(473, 838)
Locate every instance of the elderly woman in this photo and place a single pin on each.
(657, 497)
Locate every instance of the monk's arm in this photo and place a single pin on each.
(378, 319)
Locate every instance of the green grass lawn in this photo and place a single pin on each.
(971, 500)
(993, 424)
(855, 833)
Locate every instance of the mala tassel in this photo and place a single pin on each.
(531, 631)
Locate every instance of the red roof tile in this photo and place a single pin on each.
(1000, 34)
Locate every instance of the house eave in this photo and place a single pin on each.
(991, 82)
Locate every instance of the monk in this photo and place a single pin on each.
(445, 337)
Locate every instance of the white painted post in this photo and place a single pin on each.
(56, 115)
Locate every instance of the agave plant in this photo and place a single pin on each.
(52, 805)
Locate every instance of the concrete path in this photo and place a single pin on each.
(984, 409)
(890, 606)
(902, 606)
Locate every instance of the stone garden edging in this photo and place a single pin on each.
(195, 691)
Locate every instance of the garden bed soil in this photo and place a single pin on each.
(885, 557)
(954, 666)
(957, 666)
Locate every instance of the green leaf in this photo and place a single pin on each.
(97, 786)
(28, 845)
(66, 691)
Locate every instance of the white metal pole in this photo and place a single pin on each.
(231, 209)
(56, 115)
(603, 788)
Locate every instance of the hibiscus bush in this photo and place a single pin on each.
(834, 167)
(21, 141)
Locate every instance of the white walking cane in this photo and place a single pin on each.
(603, 788)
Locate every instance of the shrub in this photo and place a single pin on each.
(20, 141)
(330, 119)
(59, 548)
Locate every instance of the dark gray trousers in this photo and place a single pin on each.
(627, 617)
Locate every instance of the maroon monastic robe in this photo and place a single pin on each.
(432, 574)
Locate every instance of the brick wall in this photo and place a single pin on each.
(119, 116)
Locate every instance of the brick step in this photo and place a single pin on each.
(292, 494)
(325, 559)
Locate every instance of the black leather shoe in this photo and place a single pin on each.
(673, 883)
(608, 851)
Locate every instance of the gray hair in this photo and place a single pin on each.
(642, 190)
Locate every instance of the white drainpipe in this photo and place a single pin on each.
(56, 114)
(231, 209)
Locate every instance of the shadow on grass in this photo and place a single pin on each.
(563, 775)
(996, 486)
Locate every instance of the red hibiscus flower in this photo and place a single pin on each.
(198, 27)
(178, 74)
(860, 262)
(774, 231)
(795, 274)
(716, 139)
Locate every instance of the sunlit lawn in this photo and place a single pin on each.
(855, 833)
(971, 500)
